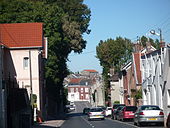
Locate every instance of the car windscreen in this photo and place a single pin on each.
(120, 107)
(131, 108)
(96, 110)
(150, 108)
(109, 108)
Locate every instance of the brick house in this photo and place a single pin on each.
(79, 89)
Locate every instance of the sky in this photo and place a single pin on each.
(125, 18)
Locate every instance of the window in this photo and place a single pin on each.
(168, 97)
(81, 89)
(77, 89)
(25, 62)
(72, 95)
(87, 96)
(86, 89)
(71, 90)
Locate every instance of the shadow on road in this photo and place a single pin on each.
(75, 114)
(42, 126)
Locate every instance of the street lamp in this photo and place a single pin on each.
(162, 44)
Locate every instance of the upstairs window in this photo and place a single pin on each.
(25, 62)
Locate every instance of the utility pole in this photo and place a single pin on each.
(162, 44)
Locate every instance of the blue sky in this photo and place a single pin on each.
(125, 18)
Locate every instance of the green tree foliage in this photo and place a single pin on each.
(65, 21)
(155, 43)
(113, 54)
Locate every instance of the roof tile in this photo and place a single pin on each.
(21, 35)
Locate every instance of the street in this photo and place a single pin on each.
(77, 119)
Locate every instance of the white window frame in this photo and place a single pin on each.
(72, 90)
(82, 89)
(25, 62)
(86, 90)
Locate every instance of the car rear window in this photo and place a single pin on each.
(96, 110)
(150, 108)
(117, 105)
(109, 108)
(131, 108)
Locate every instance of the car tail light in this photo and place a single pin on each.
(141, 113)
(90, 113)
(103, 112)
(161, 113)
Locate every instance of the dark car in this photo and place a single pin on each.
(128, 112)
(117, 111)
(114, 108)
(86, 110)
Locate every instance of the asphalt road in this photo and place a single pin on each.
(77, 120)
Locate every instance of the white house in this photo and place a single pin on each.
(23, 64)
(166, 81)
(151, 68)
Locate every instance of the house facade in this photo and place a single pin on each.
(115, 88)
(78, 93)
(24, 53)
(166, 82)
(152, 78)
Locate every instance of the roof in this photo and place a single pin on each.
(75, 80)
(87, 70)
(21, 35)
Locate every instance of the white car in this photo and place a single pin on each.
(72, 107)
(96, 113)
(148, 114)
(108, 111)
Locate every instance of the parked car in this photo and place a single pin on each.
(128, 112)
(103, 107)
(146, 114)
(72, 107)
(108, 111)
(114, 108)
(168, 121)
(117, 111)
(96, 113)
(86, 110)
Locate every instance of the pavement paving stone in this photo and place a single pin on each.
(49, 124)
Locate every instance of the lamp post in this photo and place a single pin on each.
(162, 44)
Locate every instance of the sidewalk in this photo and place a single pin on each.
(49, 124)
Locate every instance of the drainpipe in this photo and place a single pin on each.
(3, 115)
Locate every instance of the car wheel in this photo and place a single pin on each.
(134, 123)
(102, 118)
(140, 124)
(89, 119)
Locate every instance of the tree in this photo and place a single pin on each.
(113, 54)
(154, 43)
(65, 21)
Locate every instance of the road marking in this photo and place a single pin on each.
(87, 122)
(124, 123)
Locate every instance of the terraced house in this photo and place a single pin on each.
(24, 51)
